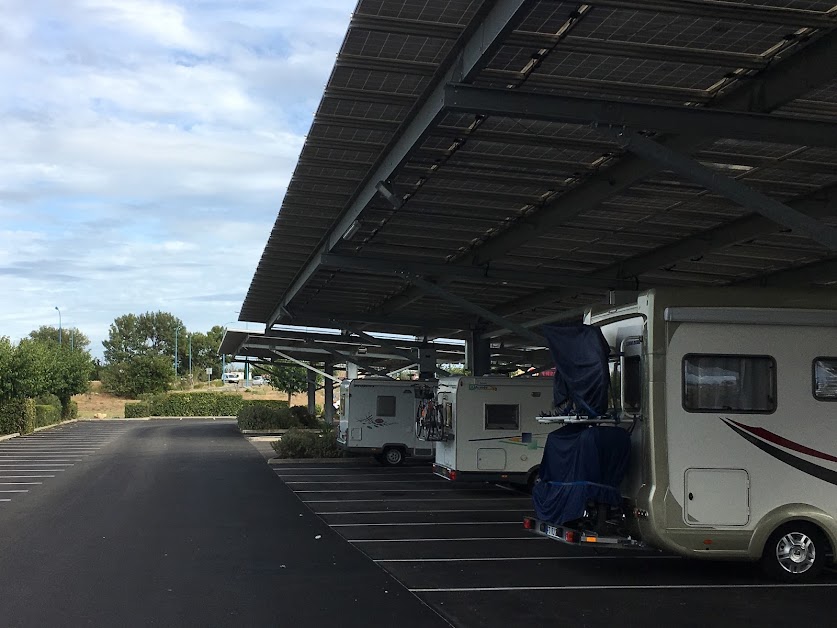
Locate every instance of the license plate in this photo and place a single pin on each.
(552, 531)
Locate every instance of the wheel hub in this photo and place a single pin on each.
(796, 552)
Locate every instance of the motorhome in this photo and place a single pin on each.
(377, 417)
(730, 401)
(489, 432)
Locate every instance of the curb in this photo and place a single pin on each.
(47, 427)
(314, 430)
(9, 436)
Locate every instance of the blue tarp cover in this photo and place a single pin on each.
(580, 463)
(581, 374)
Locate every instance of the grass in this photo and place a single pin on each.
(99, 402)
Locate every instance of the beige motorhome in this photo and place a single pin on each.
(732, 395)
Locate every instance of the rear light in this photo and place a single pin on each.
(452, 475)
(571, 536)
(528, 523)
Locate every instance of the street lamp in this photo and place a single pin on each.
(59, 324)
(190, 359)
(176, 332)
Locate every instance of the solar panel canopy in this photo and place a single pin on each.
(530, 157)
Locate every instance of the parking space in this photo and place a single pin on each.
(462, 549)
(27, 462)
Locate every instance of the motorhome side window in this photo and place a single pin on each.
(502, 416)
(825, 379)
(385, 406)
(729, 383)
(632, 384)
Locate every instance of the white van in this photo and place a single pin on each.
(490, 431)
(378, 417)
(732, 397)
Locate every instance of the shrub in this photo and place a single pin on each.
(298, 444)
(137, 410)
(17, 415)
(48, 400)
(266, 414)
(196, 404)
(305, 418)
(70, 411)
(46, 415)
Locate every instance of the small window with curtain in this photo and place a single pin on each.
(825, 379)
(502, 416)
(385, 406)
(729, 383)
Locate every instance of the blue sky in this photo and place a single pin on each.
(146, 147)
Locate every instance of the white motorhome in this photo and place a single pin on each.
(378, 416)
(733, 454)
(490, 432)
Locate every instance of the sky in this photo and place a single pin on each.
(145, 147)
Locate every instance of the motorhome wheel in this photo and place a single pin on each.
(393, 456)
(795, 552)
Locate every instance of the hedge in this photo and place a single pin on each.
(298, 444)
(137, 410)
(273, 415)
(17, 415)
(70, 412)
(46, 415)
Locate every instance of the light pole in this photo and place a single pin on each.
(190, 359)
(59, 324)
(176, 332)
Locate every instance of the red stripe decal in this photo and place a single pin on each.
(784, 442)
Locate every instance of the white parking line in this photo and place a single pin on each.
(515, 558)
(395, 490)
(631, 587)
(428, 523)
(5, 500)
(11, 477)
(14, 490)
(435, 499)
(384, 512)
(463, 538)
(350, 475)
(371, 482)
(31, 471)
(19, 483)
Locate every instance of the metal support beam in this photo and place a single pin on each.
(306, 365)
(636, 115)
(477, 354)
(312, 392)
(478, 42)
(818, 204)
(476, 274)
(729, 188)
(328, 404)
(473, 308)
(388, 344)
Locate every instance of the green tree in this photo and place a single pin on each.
(7, 359)
(141, 374)
(70, 374)
(149, 334)
(71, 336)
(205, 350)
(33, 368)
(289, 379)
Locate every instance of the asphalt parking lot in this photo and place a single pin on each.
(28, 462)
(463, 551)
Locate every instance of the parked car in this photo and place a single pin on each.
(232, 378)
(257, 380)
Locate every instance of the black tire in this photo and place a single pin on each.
(532, 480)
(795, 552)
(392, 457)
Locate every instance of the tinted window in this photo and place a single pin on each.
(385, 406)
(729, 383)
(632, 384)
(502, 416)
(825, 379)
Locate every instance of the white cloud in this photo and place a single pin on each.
(146, 148)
